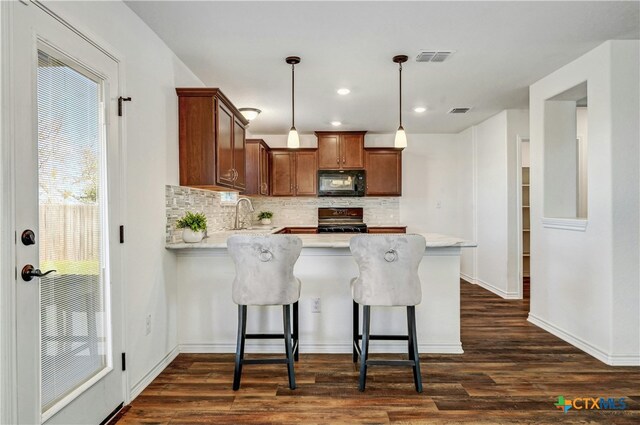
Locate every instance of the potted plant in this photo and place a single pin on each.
(193, 226)
(265, 217)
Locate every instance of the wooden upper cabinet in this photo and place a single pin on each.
(340, 150)
(257, 167)
(224, 146)
(265, 179)
(282, 173)
(212, 140)
(239, 146)
(329, 152)
(384, 171)
(352, 151)
(197, 149)
(306, 165)
(294, 172)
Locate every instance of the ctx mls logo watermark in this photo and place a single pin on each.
(590, 403)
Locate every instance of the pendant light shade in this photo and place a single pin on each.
(293, 140)
(401, 136)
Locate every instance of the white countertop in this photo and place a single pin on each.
(218, 240)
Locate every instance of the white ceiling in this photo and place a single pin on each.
(501, 48)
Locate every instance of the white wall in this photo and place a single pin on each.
(496, 212)
(585, 284)
(150, 74)
(517, 129)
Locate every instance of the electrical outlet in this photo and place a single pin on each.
(438, 204)
(315, 308)
(148, 324)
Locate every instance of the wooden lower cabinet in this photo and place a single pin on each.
(384, 171)
(391, 229)
(299, 230)
(294, 172)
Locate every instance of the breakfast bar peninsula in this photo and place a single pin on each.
(207, 315)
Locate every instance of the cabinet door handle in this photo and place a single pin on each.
(344, 160)
(338, 160)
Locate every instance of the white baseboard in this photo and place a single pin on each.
(153, 373)
(611, 360)
(491, 288)
(467, 278)
(376, 347)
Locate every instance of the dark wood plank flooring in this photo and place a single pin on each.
(511, 372)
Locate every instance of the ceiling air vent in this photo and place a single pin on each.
(433, 56)
(458, 110)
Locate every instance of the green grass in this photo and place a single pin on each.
(85, 267)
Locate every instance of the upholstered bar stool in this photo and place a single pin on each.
(388, 266)
(264, 276)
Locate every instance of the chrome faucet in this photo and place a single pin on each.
(237, 225)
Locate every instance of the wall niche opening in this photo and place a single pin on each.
(565, 154)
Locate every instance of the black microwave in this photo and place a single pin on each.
(341, 182)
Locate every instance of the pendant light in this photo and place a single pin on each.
(401, 136)
(293, 140)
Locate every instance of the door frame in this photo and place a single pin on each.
(8, 231)
(519, 222)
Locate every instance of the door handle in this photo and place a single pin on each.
(344, 160)
(29, 272)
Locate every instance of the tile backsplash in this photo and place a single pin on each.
(304, 211)
(180, 199)
(286, 211)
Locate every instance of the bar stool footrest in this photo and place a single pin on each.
(391, 363)
(386, 337)
(264, 361)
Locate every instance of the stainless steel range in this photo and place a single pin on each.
(341, 220)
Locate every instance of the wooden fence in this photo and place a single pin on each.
(69, 232)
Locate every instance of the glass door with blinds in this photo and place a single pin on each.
(75, 339)
(67, 189)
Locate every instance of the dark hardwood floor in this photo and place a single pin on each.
(511, 372)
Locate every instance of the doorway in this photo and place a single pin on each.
(525, 217)
(68, 282)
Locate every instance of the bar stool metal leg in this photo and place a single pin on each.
(366, 324)
(411, 319)
(356, 330)
(242, 330)
(296, 342)
(286, 313)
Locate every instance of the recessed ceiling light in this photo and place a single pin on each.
(336, 123)
(343, 91)
(420, 109)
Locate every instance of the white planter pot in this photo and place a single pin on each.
(265, 221)
(189, 236)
